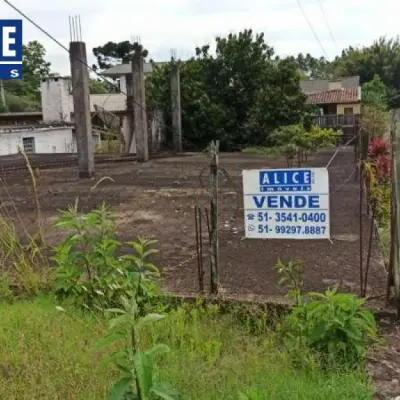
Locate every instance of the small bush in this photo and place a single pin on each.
(377, 147)
(333, 326)
(90, 267)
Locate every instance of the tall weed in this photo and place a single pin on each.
(91, 266)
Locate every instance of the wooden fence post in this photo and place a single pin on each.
(395, 137)
(214, 245)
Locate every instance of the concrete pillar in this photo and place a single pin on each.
(176, 108)
(130, 142)
(157, 132)
(81, 97)
(139, 108)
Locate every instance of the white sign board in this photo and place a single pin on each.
(286, 203)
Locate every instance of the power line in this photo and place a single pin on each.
(68, 51)
(328, 25)
(83, 62)
(311, 27)
(59, 43)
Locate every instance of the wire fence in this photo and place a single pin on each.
(170, 198)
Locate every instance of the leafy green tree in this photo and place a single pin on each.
(375, 93)
(382, 58)
(314, 68)
(34, 65)
(24, 95)
(239, 95)
(375, 116)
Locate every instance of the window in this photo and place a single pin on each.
(29, 144)
(348, 110)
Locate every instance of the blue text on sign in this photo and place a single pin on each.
(286, 201)
(290, 180)
(11, 49)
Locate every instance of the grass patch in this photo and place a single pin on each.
(45, 354)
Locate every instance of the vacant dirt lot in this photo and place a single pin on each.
(158, 199)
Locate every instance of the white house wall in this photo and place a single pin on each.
(57, 140)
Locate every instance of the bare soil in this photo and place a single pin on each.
(158, 199)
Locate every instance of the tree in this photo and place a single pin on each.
(34, 65)
(238, 96)
(374, 101)
(382, 58)
(113, 53)
(97, 86)
(24, 95)
(280, 102)
(314, 68)
(375, 93)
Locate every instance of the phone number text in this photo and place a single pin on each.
(313, 217)
(292, 230)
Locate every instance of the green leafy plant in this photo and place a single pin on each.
(296, 139)
(291, 276)
(137, 379)
(90, 266)
(289, 150)
(379, 193)
(333, 326)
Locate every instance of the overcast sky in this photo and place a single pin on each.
(185, 24)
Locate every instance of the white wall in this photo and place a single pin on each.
(50, 140)
(58, 104)
(55, 98)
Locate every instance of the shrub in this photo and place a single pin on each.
(377, 147)
(294, 139)
(383, 168)
(333, 326)
(90, 268)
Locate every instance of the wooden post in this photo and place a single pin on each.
(361, 227)
(355, 142)
(395, 134)
(214, 245)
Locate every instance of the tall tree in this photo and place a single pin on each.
(314, 68)
(381, 58)
(113, 53)
(239, 95)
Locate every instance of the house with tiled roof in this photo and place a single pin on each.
(338, 101)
